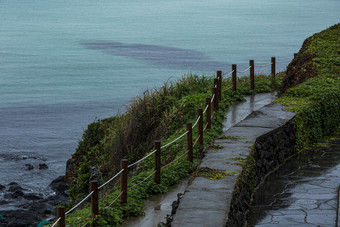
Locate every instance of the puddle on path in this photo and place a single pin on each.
(303, 192)
(158, 206)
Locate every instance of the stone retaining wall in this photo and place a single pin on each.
(270, 151)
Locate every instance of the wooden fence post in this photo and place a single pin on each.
(158, 162)
(94, 198)
(273, 67)
(234, 76)
(219, 77)
(252, 75)
(61, 215)
(208, 112)
(200, 125)
(189, 142)
(216, 82)
(215, 101)
(124, 180)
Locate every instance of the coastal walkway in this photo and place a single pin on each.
(159, 206)
(206, 202)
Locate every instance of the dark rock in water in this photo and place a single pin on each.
(19, 218)
(2, 187)
(14, 188)
(14, 195)
(29, 167)
(33, 196)
(13, 183)
(3, 202)
(59, 186)
(43, 166)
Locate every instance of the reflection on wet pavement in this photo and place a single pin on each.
(159, 206)
(302, 192)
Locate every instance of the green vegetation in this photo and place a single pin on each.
(159, 113)
(317, 101)
(212, 174)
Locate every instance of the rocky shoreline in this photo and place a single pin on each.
(33, 207)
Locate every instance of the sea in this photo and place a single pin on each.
(67, 63)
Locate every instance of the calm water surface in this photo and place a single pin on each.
(65, 63)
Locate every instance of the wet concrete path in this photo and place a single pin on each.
(302, 192)
(159, 206)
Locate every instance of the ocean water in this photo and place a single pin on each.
(64, 64)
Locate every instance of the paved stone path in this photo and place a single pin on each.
(303, 192)
(206, 202)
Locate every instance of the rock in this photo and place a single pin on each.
(33, 196)
(96, 174)
(29, 167)
(13, 183)
(59, 186)
(19, 218)
(43, 166)
(2, 187)
(14, 195)
(14, 188)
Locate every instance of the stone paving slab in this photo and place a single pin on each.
(206, 202)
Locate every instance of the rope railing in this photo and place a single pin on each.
(145, 179)
(247, 69)
(120, 194)
(56, 222)
(258, 66)
(69, 211)
(196, 122)
(283, 61)
(175, 140)
(112, 178)
(228, 74)
(135, 163)
(175, 160)
(211, 102)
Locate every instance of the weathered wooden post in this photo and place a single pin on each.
(215, 101)
(208, 112)
(234, 76)
(252, 75)
(124, 180)
(158, 162)
(200, 125)
(94, 199)
(61, 215)
(216, 84)
(219, 77)
(273, 67)
(189, 142)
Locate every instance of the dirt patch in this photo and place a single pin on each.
(299, 70)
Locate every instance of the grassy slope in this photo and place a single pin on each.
(317, 99)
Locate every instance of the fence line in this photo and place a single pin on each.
(216, 96)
